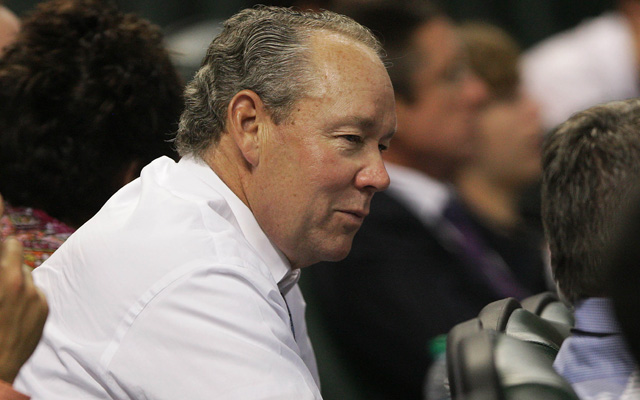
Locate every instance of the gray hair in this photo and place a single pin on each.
(590, 163)
(263, 49)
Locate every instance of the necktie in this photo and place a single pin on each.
(462, 237)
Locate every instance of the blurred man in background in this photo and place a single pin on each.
(507, 159)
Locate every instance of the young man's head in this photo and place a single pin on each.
(590, 162)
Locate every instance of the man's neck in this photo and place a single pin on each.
(224, 163)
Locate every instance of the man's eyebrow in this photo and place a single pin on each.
(365, 123)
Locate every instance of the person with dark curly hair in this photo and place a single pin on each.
(88, 95)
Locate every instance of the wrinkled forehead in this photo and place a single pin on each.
(351, 86)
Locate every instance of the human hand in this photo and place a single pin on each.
(23, 310)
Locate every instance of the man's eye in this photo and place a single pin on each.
(352, 138)
(382, 147)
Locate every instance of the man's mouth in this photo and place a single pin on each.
(361, 214)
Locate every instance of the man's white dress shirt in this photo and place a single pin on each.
(591, 64)
(172, 291)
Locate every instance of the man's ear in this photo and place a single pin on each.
(246, 116)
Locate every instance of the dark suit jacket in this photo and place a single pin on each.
(398, 288)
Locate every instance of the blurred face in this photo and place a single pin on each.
(319, 169)
(435, 131)
(9, 27)
(509, 141)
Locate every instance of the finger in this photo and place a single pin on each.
(11, 253)
(11, 263)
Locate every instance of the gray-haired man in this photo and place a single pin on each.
(184, 284)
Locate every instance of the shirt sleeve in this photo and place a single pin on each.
(222, 334)
(8, 393)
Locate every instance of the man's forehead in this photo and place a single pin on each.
(349, 82)
(336, 57)
(328, 48)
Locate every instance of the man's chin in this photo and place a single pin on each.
(337, 253)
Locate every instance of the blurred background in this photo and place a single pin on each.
(527, 20)
(190, 24)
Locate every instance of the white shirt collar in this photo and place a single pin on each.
(276, 261)
(423, 195)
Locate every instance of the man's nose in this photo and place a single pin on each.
(373, 176)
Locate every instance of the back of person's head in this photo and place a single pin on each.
(395, 23)
(263, 49)
(493, 56)
(303, 5)
(89, 96)
(589, 164)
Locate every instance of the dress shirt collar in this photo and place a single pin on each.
(423, 195)
(595, 360)
(276, 261)
(596, 315)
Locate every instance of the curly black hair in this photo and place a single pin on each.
(86, 93)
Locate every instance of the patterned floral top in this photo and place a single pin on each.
(39, 233)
